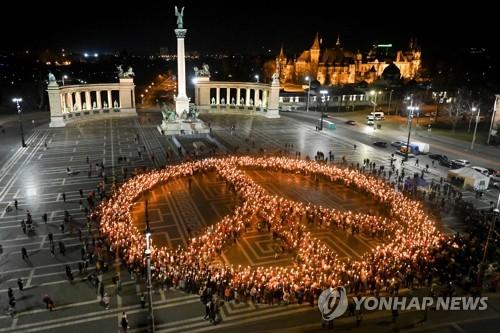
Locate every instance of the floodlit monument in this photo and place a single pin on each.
(184, 119)
(91, 101)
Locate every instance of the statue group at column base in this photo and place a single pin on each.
(186, 123)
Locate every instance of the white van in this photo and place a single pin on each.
(378, 115)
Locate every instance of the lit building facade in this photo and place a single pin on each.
(336, 66)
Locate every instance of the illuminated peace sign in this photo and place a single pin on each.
(410, 232)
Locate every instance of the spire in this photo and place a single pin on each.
(338, 40)
(282, 52)
(316, 43)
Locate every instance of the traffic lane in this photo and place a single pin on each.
(394, 132)
(369, 135)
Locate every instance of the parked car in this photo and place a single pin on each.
(351, 122)
(444, 161)
(460, 163)
(398, 143)
(493, 172)
(370, 122)
(437, 157)
(482, 170)
(494, 175)
(381, 144)
(378, 115)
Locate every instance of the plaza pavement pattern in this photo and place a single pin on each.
(37, 177)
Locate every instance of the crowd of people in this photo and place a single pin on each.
(409, 234)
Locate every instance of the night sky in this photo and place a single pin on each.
(243, 26)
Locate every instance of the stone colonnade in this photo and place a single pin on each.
(73, 101)
(238, 95)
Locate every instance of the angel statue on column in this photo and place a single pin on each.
(179, 16)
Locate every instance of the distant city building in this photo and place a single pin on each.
(337, 66)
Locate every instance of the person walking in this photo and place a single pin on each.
(24, 253)
(62, 248)
(44, 217)
(51, 238)
(69, 273)
(52, 250)
(143, 301)
(20, 284)
(23, 226)
(15, 203)
(124, 322)
(81, 193)
(64, 196)
(105, 301)
(395, 315)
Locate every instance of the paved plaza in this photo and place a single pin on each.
(38, 178)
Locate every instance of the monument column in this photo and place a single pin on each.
(69, 101)
(238, 96)
(110, 102)
(264, 98)
(98, 99)
(247, 96)
(88, 102)
(181, 100)
(217, 95)
(78, 99)
(228, 95)
(63, 102)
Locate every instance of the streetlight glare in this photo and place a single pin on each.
(307, 78)
(17, 99)
(324, 92)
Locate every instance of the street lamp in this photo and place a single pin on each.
(308, 79)
(323, 93)
(63, 78)
(411, 108)
(256, 77)
(147, 252)
(475, 128)
(389, 106)
(17, 100)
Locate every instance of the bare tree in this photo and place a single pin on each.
(459, 107)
